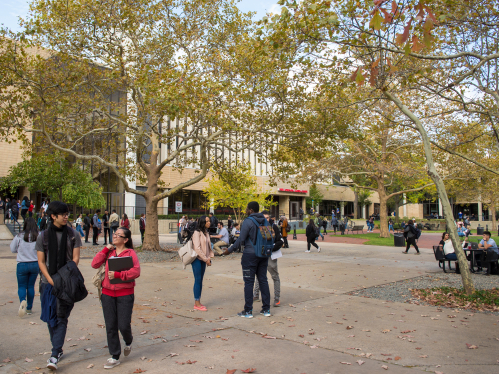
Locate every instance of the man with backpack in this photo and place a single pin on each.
(255, 258)
(272, 266)
(87, 222)
(411, 233)
(96, 226)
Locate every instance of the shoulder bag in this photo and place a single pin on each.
(187, 254)
(99, 275)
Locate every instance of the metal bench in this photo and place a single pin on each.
(355, 228)
(440, 257)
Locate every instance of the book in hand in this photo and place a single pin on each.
(120, 264)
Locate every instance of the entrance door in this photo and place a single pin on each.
(294, 211)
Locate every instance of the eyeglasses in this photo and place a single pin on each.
(65, 215)
(119, 236)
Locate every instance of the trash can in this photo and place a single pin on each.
(399, 240)
(480, 230)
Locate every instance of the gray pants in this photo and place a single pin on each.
(274, 273)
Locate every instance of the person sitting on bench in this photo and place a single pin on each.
(488, 244)
(448, 248)
(223, 235)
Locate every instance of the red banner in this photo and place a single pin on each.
(291, 190)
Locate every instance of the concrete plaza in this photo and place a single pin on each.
(319, 328)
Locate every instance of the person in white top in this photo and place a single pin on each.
(79, 227)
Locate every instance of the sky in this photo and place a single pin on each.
(11, 10)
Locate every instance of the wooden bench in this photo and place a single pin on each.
(440, 257)
(355, 228)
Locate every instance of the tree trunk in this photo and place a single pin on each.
(442, 194)
(397, 208)
(151, 237)
(355, 205)
(383, 217)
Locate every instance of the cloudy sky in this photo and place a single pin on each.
(11, 10)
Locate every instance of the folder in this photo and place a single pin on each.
(120, 264)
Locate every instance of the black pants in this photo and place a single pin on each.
(411, 241)
(87, 232)
(118, 316)
(142, 231)
(335, 228)
(311, 242)
(96, 234)
(285, 240)
(107, 233)
(23, 213)
(252, 266)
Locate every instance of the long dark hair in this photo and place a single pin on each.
(125, 216)
(201, 224)
(30, 230)
(443, 235)
(311, 222)
(128, 235)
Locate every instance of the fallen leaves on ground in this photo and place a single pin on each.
(28, 359)
(90, 366)
(250, 370)
(471, 346)
(139, 371)
(456, 298)
(384, 367)
(345, 363)
(231, 371)
(360, 362)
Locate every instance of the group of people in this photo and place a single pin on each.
(12, 208)
(55, 254)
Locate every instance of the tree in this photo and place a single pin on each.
(57, 177)
(113, 83)
(315, 197)
(233, 185)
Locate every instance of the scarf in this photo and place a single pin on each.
(57, 255)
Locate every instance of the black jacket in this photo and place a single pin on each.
(410, 232)
(310, 233)
(69, 285)
(248, 233)
(278, 238)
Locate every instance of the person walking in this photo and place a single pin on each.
(14, 211)
(30, 209)
(87, 223)
(284, 227)
(125, 222)
(202, 246)
(324, 225)
(251, 264)
(24, 207)
(390, 226)
(334, 223)
(318, 224)
(230, 222)
(96, 225)
(117, 298)
(79, 223)
(114, 223)
(58, 245)
(142, 226)
(105, 225)
(410, 234)
(27, 265)
(272, 266)
(311, 234)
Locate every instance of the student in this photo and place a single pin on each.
(30, 209)
(125, 222)
(24, 207)
(87, 222)
(410, 233)
(311, 234)
(55, 247)
(142, 226)
(105, 225)
(114, 223)
(334, 223)
(251, 264)
(43, 221)
(27, 265)
(96, 227)
(272, 267)
(202, 246)
(284, 227)
(448, 248)
(318, 223)
(235, 230)
(117, 299)
(79, 222)
(223, 235)
(390, 226)
(487, 244)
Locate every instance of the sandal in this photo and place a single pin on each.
(201, 308)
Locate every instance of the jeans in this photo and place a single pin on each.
(107, 233)
(142, 231)
(451, 256)
(27, 272)
(198, 268)
(252, 266)
(390, 227)
(58, 333)
(274, 273)
(96, 234)
(118, 317)
(80, 230)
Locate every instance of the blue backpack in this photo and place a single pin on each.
(265, 237)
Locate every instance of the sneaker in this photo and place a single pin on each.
(277, 303)
(417, 253)
(52, 363)
(22, 309)
(29, 312)
(245, 314)
(111, 363)
(307, 251)
(319, 249)
(127, 350)
(404, 252)
(265, 313)
(59, 356)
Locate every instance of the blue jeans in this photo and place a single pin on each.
(390, 227)
(80, 230)
(451, 256)
(252, 266)
(198, 268)
(27, 272)
(58, 332)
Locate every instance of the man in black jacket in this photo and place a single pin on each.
(213, 224)
(87, 221)
(56, 246)
(410, 233)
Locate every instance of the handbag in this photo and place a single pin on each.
(187, 254)
(99, 276)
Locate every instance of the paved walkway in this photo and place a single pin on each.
(320, 328)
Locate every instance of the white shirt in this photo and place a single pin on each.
(448, 247)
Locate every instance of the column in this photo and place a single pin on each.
(342, 208)
(479, 210)
(405, 205)
(364, 212)
(440, 214)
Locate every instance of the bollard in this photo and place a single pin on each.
(294, 233)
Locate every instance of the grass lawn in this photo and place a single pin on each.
(373, 239)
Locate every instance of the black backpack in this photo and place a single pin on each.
(317, 231)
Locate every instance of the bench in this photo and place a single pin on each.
(355, 228)
(440, 257)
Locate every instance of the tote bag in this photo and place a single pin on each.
(187, 254)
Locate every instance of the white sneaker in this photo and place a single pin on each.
(22, 308)
(319, 249)
(111, 363)
(127, 350)
(307, 251)
(52, 363)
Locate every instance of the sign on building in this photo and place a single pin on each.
(178, 207)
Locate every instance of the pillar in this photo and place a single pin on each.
(364, 212)
(480, 211)
(440, 210)
(405, 205)
(342, 208)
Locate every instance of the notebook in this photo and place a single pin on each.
(120, 264)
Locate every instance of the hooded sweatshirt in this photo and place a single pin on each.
(248, 234)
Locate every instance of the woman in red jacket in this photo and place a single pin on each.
(117, 299)
(125, 222)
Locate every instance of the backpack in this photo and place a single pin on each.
(319, 221)
(317, 231)
(418, 233)
(264, 243)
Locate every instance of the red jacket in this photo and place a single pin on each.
(119, 289)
